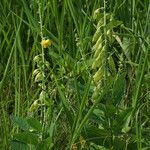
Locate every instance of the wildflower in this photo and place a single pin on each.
(46, 42)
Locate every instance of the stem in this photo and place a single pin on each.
(105, 40)
(43, 71)
(139, 83)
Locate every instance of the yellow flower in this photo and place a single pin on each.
(45, 43)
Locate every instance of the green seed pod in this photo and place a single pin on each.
(95, 94)
(42, 94)
(37, 58)
(96, 13)
(98, 75)
(97, 34)
(47, 64)
(108, 32)
(98, 51)
(98, 43)
(98, 61)
(100, 56)
(35, 72)
(100, 23)
(38, 77)
(112, 65)
(34, 106)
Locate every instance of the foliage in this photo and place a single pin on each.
(74, 74)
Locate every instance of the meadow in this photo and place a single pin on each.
(74, 74)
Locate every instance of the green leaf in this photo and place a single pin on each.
(65, 103)
(21, 122)
(54, 55)
(119, 88)
(119, 143)
(27, 137)
(35, 124)
(97, 136)
(42, 146)
(45, 144)
(122, 120)
(16, 145)
(113, 24)
(98, 112)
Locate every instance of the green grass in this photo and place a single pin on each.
(88, 90)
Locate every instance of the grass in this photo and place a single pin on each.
(89, 89)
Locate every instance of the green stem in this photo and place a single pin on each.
(43, 71)
(139, 83)
(105, 40)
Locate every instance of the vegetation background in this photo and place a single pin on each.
(88, 88)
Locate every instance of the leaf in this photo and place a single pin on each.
(35, 124)
(98, 112)
(97, 136)
(17, 145)
(54, 55)
(119, 143)
(42, 146)
(27, 137)
(121, 123)
(65, 103)
(45, 144)
(119, 88)
(113, 24)
(21, 122)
